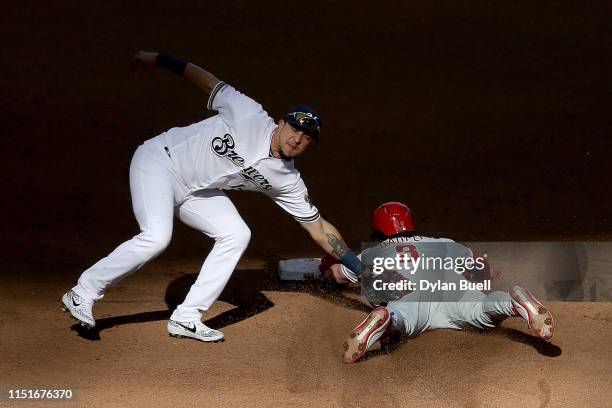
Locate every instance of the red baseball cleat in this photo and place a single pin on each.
(363, 337)
(539, 319)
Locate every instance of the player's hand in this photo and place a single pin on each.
(142, 62)
(481, 274)
(377, 295)
(497, 274)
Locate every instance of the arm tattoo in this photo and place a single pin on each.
(339, 247)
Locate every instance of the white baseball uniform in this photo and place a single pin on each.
(183, 171)
(424, 309)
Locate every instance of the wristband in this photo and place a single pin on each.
(174, 65)
(351, 261)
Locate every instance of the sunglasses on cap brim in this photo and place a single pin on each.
(305, 121)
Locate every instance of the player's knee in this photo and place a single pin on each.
(244, 236)
(154, 242)
(240, 236)
(476, 316)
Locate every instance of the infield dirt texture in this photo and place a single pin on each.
(490, 119)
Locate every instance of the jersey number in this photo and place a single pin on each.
(400, 249)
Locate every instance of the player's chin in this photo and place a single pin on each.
(293, 151)
(290, 152)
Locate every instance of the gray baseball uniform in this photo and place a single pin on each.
(446, 307)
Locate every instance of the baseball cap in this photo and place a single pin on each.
(306, 119)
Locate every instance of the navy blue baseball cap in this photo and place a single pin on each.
(306, 119)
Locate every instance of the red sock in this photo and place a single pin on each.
(516, 312)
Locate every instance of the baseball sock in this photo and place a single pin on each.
(397, 323)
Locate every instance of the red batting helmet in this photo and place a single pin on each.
(393, 218)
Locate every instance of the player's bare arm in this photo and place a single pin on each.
(338, 246)
(200, 77)
(144, 61)
(328, 238)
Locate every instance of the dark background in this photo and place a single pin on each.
(490, 119)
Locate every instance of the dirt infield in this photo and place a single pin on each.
(283, 348)
(487, 119)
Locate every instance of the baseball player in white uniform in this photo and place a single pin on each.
(184, 171)
(412, 304)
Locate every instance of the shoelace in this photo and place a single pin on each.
(205, 330)
(208, 330)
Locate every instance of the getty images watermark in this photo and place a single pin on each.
(556, 271)
(409, 264)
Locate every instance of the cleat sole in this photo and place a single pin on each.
(180, 336)
(365, 335)
(539, 320)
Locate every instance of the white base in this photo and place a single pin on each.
(299, 269)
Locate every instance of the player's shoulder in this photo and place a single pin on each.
(420, 238)
(414, 238)
(234, 105)
(283, 174)
(224, 93)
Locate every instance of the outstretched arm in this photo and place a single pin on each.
(143, 62)
(328, 238)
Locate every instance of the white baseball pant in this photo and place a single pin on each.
(416, 312)
(156, 194)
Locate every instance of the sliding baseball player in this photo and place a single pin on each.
(430, 294)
